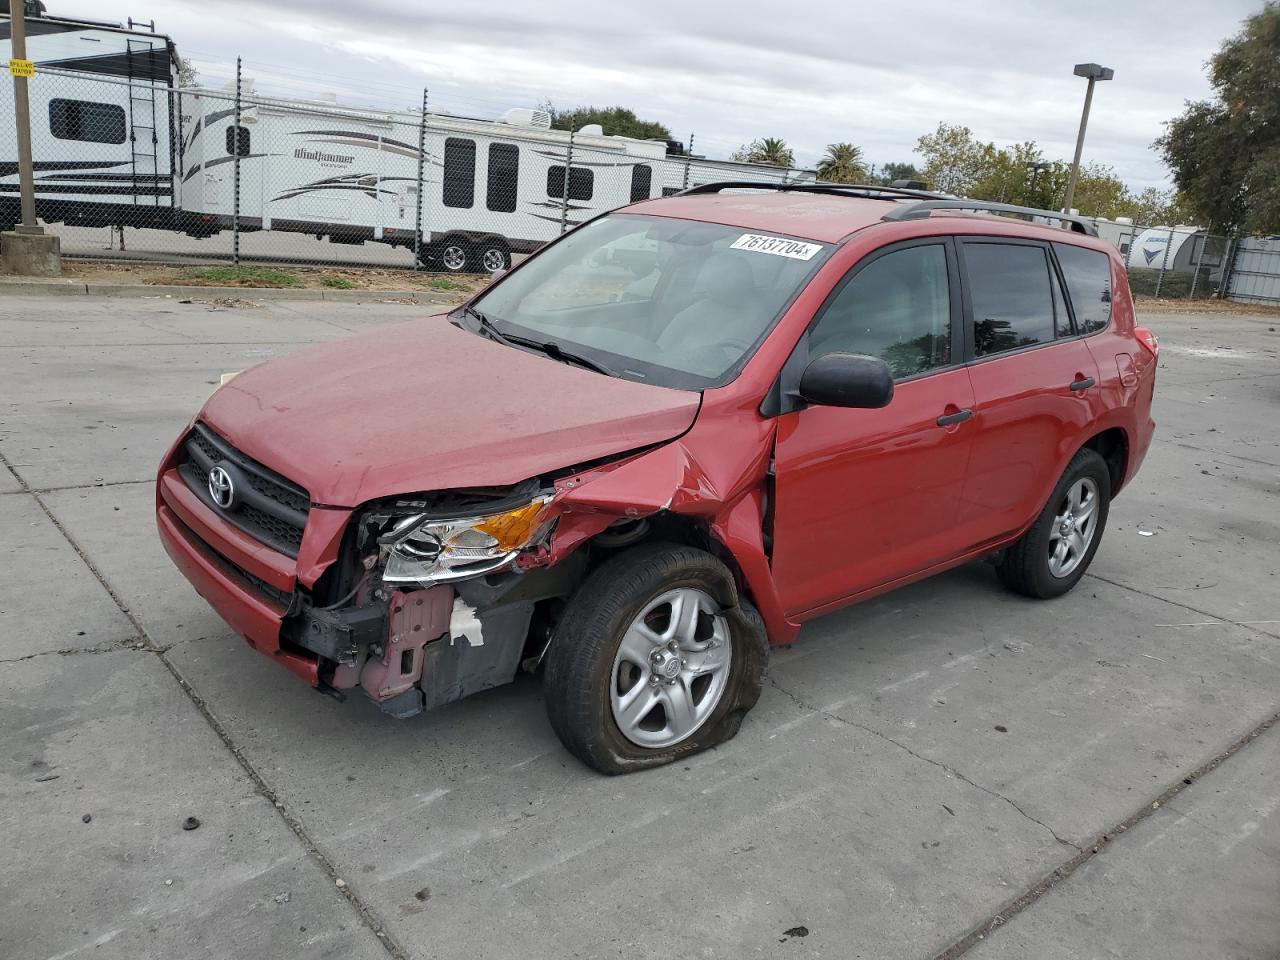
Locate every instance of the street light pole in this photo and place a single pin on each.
(22, 119)
(1093, 72)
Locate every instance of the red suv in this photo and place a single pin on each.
(663, 443)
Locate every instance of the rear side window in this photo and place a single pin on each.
(504, 171)
(87, 121)
(897, 308)
(581, 183)
(1088, 276)
(1011, 296)
(459, 172)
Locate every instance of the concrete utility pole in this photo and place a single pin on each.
(1094, 73)
(27, 250)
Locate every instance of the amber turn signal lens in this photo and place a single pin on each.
(513, 529)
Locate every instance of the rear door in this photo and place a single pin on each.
(1034, 383)
(865, 497)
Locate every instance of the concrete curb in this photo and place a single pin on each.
(56, 288)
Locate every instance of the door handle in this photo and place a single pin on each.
(947, 419)
(1084, 384)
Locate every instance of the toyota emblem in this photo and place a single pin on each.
(221, 488)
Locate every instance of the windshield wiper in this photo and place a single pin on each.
(487, 326)
(549, 347)
(557, 352)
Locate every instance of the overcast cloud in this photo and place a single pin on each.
(731, 71)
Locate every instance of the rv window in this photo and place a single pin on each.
(238, 140)
(504, 172)
(581, 183)
(459, 172)
(83, 120)
(641, 181)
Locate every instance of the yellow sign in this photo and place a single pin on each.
(22, 68)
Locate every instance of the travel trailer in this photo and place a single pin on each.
(116, 142)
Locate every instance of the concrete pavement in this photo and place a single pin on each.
(917, 770)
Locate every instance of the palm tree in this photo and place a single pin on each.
(771, 150)
(843, 163)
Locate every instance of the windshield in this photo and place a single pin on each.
(673, 302)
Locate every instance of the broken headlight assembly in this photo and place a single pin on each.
(421, 549)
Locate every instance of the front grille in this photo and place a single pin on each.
(266, 506)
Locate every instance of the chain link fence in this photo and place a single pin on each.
(1173, 263)
(130, 168)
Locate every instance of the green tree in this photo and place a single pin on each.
(1225, 152)
(616, 121)
(842, 163)
(770, 150)
(900, 171)
(188, 75)
(954, 161)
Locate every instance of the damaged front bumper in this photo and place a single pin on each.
(418, 649)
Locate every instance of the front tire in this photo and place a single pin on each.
(1051, 557)
(455, 255)
(655, 658)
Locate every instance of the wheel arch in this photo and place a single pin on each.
(1112, 445)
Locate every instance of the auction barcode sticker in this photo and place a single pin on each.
(778, 246)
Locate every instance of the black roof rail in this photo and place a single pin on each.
(919, 211)
(865, 191)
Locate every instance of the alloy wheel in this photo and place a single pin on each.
(671, 668)
(1074, 527)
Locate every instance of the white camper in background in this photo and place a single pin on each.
(1167, 247)
(101, 137)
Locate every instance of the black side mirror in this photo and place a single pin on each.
(847, 380)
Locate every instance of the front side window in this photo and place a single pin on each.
(459, 173)
(1088, 276)
(86, 121)
(581, 183)
(673, 302)
(897, 308)
(504, 176)
(1011, 296)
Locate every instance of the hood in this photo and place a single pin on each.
(425, 406)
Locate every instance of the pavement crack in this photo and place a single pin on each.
(1093, 848)
(950, 770)
(143, 641)
(134, 643)
(1185, 606)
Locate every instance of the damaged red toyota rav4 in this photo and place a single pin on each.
(663, 443)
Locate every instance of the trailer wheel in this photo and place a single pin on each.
(455, 255)
(492, 255)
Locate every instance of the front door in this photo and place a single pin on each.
(866, 497)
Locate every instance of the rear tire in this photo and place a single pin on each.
(708, 681)
(492, 255)
(1051, 557)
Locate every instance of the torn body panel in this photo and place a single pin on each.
(726, 492)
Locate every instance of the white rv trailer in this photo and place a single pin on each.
(490, 188)
(102, 137)
(116, 143)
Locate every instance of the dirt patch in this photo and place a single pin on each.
(329, 278)
(1230, 307)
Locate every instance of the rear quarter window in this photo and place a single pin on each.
(1088, 277)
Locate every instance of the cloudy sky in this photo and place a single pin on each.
(878, 75)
